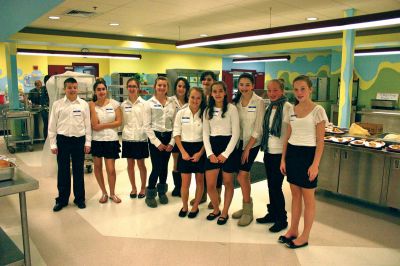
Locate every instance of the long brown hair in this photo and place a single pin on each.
(304, 78)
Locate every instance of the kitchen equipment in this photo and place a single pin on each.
(383, 104)
(7, 173)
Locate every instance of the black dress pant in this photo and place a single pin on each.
(159, 160)
(276, 207)
(70, 148)
(45, 118)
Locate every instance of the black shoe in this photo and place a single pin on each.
(222, 220)
(58, 207)
(284, 239)
(212, 216)
(133, 195)
(182, 213)
(192, 215)
(292, 245)
(81, 205)
(266, 219)
(176, 192)
(278, 226)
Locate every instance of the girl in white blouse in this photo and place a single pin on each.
(302, 151)
(188, 134)
(106, 117)
(159, 120)
(220, 135)
(251, 109)
(134, 138)
(181, 90)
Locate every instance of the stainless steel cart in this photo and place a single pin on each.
(20, 135)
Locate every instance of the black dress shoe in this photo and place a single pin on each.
(292, 245)
(212, 216)
(81, 205)
(133, 195)
(278, 226)
(266, 219)
(192, 215)
(182, 213)
(222, 220)
(284, 239)
(58, 207)
(176, 192)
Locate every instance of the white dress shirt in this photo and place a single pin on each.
(178, 104)
(221, 126)
(71, 119)
(251, 119)
(106, 114)
(159, 118)
(188, 126)
(133, 122)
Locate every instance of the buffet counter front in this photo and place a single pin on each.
(370, 174)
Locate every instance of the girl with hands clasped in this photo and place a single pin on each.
(220, 135)
(105, 117)
(188, 134)
(302, 151)
(159, 119)
(134, 138)
(251, 109)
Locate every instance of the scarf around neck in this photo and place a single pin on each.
(276, 127)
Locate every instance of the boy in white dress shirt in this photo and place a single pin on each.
(70, 138)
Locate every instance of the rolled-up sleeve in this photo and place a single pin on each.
(257, 131)
(235, 131)
(206, 134)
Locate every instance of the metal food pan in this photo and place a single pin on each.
(7, 173)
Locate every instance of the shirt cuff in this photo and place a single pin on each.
(88, 143)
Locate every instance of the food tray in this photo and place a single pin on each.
(375, 144)
(393, 148)
(7, 173)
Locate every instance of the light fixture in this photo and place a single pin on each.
(238, 56)
(328, 26)
(261, 59)
(203, 35)
(312, 19)
(77, 54)
(114, 24)
(54, 17)
(139, 35)
(377, 51)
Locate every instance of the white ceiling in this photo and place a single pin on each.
(162, 18)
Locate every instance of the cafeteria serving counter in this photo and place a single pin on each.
(367, 174)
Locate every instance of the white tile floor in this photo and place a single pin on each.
(343, 234)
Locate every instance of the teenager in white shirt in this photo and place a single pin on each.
(251, 109)
(159, 121)
(106, 117)
(188, 134)
(274, 130)
(220, 135)
(302, 152)
(181, 91)
(70, 138)
(134, 138)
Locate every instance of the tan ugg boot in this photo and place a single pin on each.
(237, 214)
(247, 215)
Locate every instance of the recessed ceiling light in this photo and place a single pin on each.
(312, 19)
(54, 17)
(203, 35)
(139, 35)
(114, 24)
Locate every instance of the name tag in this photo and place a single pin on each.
(292, 118)
(185, 119)
(251, 109)
(156, 106)
(109, 110)
(128, 109)
(76, 112)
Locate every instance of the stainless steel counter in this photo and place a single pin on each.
(21, 183)
(368, 174)
(390, 119)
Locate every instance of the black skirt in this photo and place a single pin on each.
(218, 145)
(252, 156)
(298, 160)
(106, 149)
(135, 149)
(189, 166)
